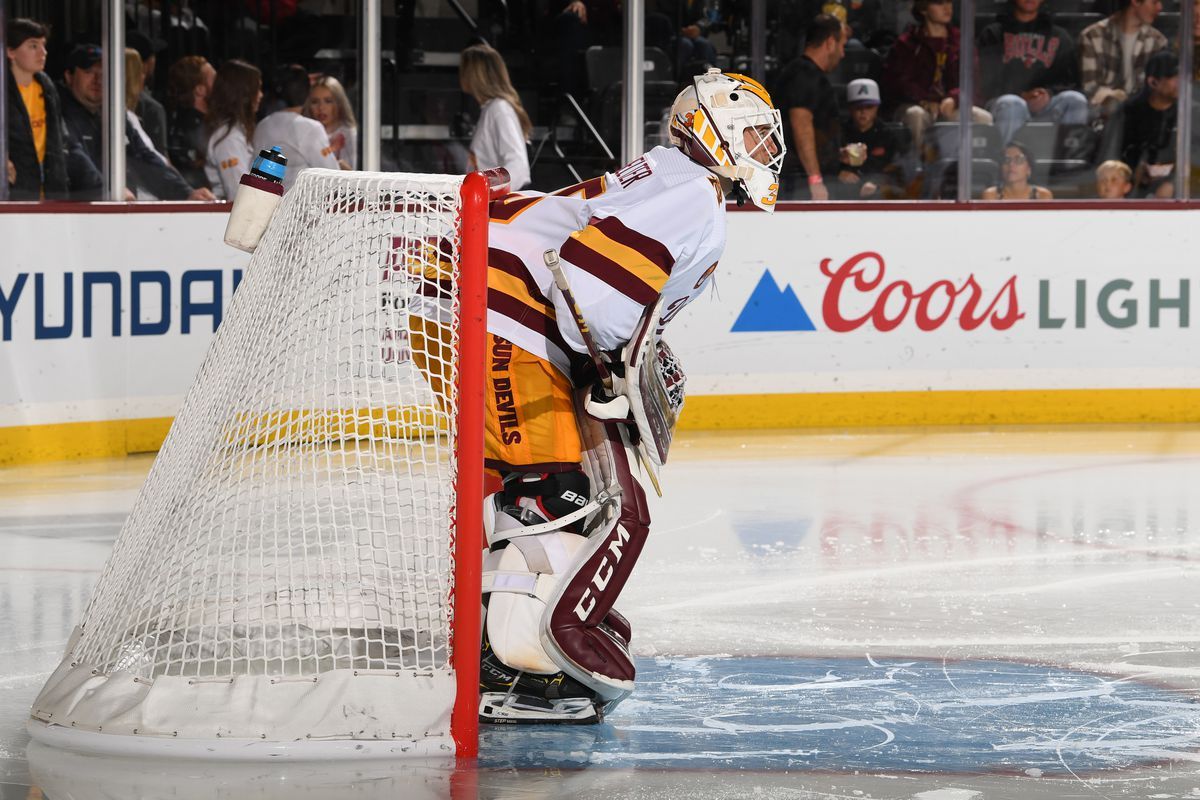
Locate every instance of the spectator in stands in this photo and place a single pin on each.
(809, 106)
(574, 26)
(504, 127)
(920, 75)
(1113, 53)
(1016, 168)
(862, 17)
(37, 146)
(1147, 122)
(1114, 180)
(151, 112)
(869, 169)
(189, 84)
(1029, 70)
(236, 94)
(327, 104)
(134, 83)
(303, 140)
(680, 28)
(81, 112)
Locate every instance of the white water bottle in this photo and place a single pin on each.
(258, 195)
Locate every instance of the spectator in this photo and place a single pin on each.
(921, 72)
(234, 101)
(37, 148)
(1114, 180)
(869, 161)
(1113, 53)
(81, 112)
(503, 130)
(1029, 70)
(189, 84)
(1147, 124)
(574, 26)
(809, 107)
(302, 140)
(151, 112)
(1016, 168)
(327, 104)
(862, 17)
(134, 82)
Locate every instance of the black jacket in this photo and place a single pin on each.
(1018, 56)
(186, 141)
(34, 178)
(154, 119)
(144, 168)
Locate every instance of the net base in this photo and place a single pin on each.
(112, 745)
(359, 706)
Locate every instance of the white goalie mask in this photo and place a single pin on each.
(727, 123)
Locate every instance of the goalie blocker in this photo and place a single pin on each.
(563, 545)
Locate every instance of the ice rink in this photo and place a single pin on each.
(943, 615)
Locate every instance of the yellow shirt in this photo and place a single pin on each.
(35, 104)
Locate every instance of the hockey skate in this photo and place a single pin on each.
(509, 697)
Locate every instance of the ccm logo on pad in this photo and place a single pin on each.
(603, 574)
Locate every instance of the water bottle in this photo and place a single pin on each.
(257, 197)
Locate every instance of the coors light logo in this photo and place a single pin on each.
(890, 303)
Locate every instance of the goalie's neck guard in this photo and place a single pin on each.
(727, 123)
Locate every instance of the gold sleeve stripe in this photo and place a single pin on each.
(516, 289)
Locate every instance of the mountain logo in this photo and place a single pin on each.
(772, 309)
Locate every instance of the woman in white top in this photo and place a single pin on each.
(327, 104)
(503, 131)
(232, 104)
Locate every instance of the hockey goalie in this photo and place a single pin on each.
(582, 393)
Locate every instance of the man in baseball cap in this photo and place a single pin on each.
(83, 76)
(868, 169)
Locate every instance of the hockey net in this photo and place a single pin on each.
(288, 571)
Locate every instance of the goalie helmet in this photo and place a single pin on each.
(726, 122)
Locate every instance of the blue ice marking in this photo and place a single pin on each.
(843, 715)
(772, 309)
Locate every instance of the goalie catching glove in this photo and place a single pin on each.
(648, 389)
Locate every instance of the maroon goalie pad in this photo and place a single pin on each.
(582, 626)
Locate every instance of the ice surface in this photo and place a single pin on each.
(1036, 592)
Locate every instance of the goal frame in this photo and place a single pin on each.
(465, 548)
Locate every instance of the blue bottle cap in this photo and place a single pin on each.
(272, 163)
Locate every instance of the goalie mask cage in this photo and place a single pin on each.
(299, 574)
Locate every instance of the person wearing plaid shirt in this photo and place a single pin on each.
(1113, 52)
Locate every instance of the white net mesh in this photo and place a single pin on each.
(299, 517)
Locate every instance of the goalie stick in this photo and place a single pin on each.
(550, 257)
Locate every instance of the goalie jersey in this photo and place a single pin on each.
(654, 228)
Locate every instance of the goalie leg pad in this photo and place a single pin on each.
(520, 575)
(580, 632)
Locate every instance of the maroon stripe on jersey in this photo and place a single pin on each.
(608, 271)
(439, 288)
(509, 206)
(654, 251)
(534, 320)
(512, 265)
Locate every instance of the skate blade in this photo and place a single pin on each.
(498, 708)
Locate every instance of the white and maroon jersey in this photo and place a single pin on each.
(655, 227)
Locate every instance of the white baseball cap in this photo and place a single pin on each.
(862, 91)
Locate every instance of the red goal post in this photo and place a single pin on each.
(478, 190)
